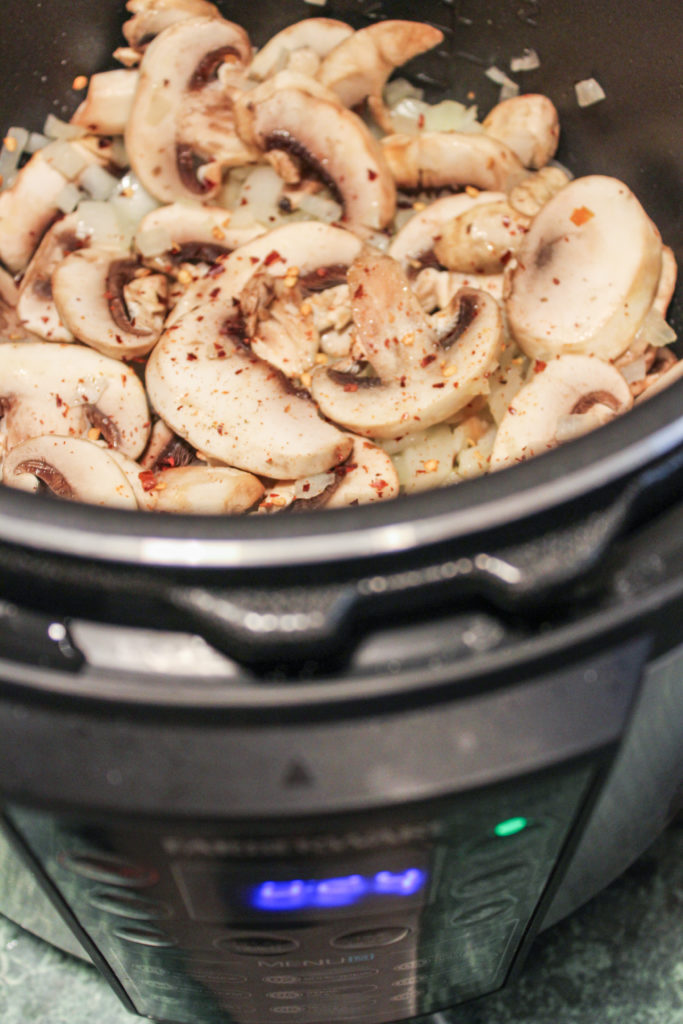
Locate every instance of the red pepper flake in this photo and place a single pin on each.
(372, 175)
(442, 385)
(402, 381)
(421, 121)
(581, 215)
(426, 361)
(273, 257)
(192, 357)
(556, 280)
(220, 352)
(59, 401)
(539, 366)
(253, 260)
(148, 480)
(359, 292)
(306, 488)
(214, 293)
(378, 485)
(350, 387)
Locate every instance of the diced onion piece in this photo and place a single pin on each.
(20, 138)
(131, 202)
(259, 197)
(508, 87)
(321, 207)
(401, 89)
(316, 3)
(99, 222)
(588, 91)
(635, 371)
(65, 158)
(529, 61)
(445, 117)
(57, 129)
(97, 182)
(36, 141)
(69, 198)
(655, 331)
(425, 463)
(153, 242)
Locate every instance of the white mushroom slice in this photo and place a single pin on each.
(48, 388)
(70, 468)
(108, 103)
(26, 210)
(416, 239)
(187, 233)
(180, 135)
(305, 122)
(109, 302)
(482, 240)
(361, 65)
(570, 385)
(426, 368)
(586, 274)
(298, 250)
(534, 192)
(278, 330)
(436, 288)
(210, 490)
(150, 17)
(208, 385)
(529, 125)
(368, 476)
(438, 159)
(319, 35)
(667, 281)
(36, 305)
(165, 449)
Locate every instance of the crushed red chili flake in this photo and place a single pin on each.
(378, 485)
(426, 361)
(253, 260)
(59, 401)
(441, 385)
(148, 480)
(372, 175)
(539, 366)
(556, 280)
(192, 357)
(581, 215)
(306, 488)
(350, 387)
(359, 292)
(273, 257)
(214, 293)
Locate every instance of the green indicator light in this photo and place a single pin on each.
(510, 827)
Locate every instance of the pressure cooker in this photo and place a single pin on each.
(344, 766)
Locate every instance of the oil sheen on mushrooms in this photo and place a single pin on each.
(276, 280)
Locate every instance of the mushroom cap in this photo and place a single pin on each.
(71, 468)
(71, 386)
(587, 272)
(172, 117)
(567, 385)
(529, 125)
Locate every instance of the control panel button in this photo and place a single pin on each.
(128, 904)
(257, 945)
(370, 938)
(108, 869)
(151, 937)
(480, 912)
(508, 877)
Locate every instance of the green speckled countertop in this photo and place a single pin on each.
(619, 960)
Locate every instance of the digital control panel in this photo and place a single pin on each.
(374, 917)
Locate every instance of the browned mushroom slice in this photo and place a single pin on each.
(569, 396)
(529, 125)
(294, 116)
(439, 159)
(180, 135)
(425, 369)
(110, 302)
(69, 468)
(150, 17)
(48, 388)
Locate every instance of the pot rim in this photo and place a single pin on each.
(615, 452)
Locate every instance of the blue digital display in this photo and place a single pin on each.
(300, 894)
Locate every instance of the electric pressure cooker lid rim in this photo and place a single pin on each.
(602, 459)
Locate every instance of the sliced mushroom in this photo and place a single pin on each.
(211, 389)
(48, 388)
(26, 211)
(165, 450)
(150, 17)
(368, 476)
(314, 35)
(208, 490)
(292, 116)
(587, 272)
(482, 240)
(107, 300)
(180, 135)
(183, 233)
(36, 305)
(568, 386)
(108, 103)
(529, 125)
(9, 292)
(414, 243)
(361, 65)
(663, 380)
(439, 159)
(425, 368)
(534, 191)
(69, 468)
